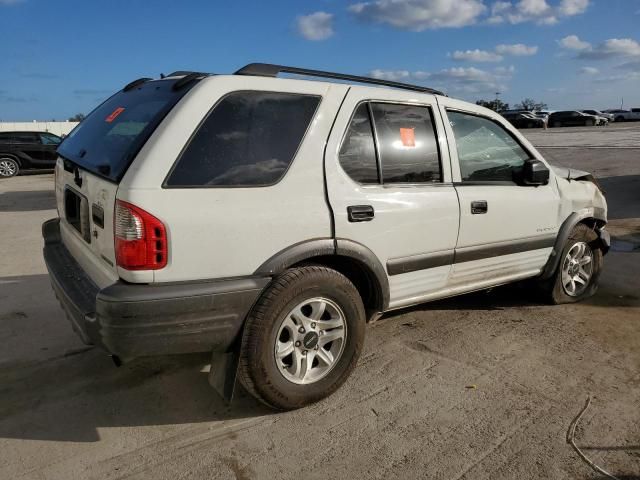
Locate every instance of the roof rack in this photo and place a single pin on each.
(269, 70)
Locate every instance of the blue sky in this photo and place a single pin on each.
(63, 57)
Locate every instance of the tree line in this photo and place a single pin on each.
(498, 105)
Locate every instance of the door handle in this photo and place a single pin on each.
(360, 213)
(479, 207)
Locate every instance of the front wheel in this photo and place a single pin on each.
(577, 275)
(8, 167)
(302, 338)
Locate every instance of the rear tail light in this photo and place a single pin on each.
(141, 239)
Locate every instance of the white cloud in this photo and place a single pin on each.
(476, 56)
(517, 50)
(316, 26)
(392, 75)
(572, 42)
(589, 71)
(500, 51)
(418, 15)
(538, 11)
(573, 7)
(612, 48)
(461, 80)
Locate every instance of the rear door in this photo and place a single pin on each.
(389, 186)
(49, 146)
(507, 229)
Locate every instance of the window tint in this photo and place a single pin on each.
(6, 137)
(486, 151)
(49, 139)
(25, 137)
(248, 139)
(407, 143)
(107, 141)
(358, 153)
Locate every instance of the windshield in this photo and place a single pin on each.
(110, 137)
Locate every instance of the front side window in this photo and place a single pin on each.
(358, 152)
(407, 143)
(486, 151)
(248, 139)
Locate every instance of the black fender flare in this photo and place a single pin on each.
(563, 235)
(340, 247)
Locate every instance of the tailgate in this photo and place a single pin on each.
(85, 204)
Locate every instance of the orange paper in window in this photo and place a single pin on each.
(114, 114)
(408, 137)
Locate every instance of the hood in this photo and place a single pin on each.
(571, 173)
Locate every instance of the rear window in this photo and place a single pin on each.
(249, 139)
(107, 141)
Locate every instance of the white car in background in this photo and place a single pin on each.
(598, 113)
(619, 115)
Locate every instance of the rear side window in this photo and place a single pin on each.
(358, 152)
(486, 151)
(249, 139)
(107, 141)
(49, 139)
(6, 138)
(407, 143)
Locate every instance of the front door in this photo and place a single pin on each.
(507, 229)
(389, 186)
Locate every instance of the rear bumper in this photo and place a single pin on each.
(132, 320)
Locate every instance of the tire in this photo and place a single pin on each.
(272, 325)
(556, 124)
(9, 167)
(619, 119)
(589, 123)
(554, 289)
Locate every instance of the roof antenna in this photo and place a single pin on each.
(161, 75)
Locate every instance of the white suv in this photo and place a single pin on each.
(267, 220)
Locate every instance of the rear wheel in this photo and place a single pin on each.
(8, 167)
(619, 119)
(302, 338)
(577, 275)
(556, 124)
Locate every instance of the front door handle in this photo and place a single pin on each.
(360, 213)
(479, 207)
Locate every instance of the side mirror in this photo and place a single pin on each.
(534, 172)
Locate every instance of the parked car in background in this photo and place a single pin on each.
(26, 150)
(598, 113)
(573, 118)
(543, 114)
(625, 115)
(524, 120)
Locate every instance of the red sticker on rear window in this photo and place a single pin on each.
(408, 137)
(114, 114)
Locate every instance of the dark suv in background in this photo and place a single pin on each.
(24, 150)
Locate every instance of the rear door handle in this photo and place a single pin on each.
(360, 213)
(479, 207)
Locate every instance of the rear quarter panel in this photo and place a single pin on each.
(228, 232)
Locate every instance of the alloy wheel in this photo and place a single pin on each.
(310, 340)
(577, 269)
